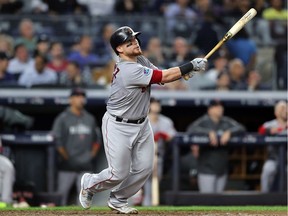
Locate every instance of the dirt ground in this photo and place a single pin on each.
(141, 213)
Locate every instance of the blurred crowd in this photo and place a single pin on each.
(36, 53)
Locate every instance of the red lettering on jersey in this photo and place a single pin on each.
(116, 70)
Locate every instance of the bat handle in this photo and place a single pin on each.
(224, 39)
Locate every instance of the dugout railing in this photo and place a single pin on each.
(178, 197)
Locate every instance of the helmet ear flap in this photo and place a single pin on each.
(139, 42)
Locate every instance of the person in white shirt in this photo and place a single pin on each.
(20, 61)
(37, 73)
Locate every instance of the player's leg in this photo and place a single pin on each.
(7, 175)
(141, 168)
(206, 183)
(220, 183)
(268, 175)
(118, 139)
(65, 181)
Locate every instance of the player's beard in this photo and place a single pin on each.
(137, 51)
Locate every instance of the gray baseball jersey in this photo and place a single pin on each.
(129, 147)
(130, 90)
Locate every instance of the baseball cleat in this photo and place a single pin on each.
(85, 196)
(122, 210)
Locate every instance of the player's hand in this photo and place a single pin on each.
(225, 138)
(199, 64)
(213, 138)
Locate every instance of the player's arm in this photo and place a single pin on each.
(175, 73)
(57, 132)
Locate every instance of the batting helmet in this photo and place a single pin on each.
(122, 35)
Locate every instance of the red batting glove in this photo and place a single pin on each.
(161, 135)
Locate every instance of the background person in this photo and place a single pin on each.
(77, 143)
(213, 159)
(277, 126)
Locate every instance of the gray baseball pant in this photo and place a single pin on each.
(209, 183)
(7, 178)
(268, 175)
(129, 151)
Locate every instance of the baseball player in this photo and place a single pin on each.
(127, 134)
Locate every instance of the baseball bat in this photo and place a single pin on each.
(155, 179)
(232, 31)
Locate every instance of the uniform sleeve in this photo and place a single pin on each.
(138, 75)
(58, 131)
(235, 127)
(169, 127)
(145, 62)
(199, 126)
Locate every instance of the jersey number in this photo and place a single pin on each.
(116, 71)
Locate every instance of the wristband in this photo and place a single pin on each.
(186, 68)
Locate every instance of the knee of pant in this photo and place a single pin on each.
(268, 169)
(147, 170)
(120, 175)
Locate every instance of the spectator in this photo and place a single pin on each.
(126, 7)
(84, 56)
(5, 77)
(7, 172)
(276, 11)
(27, 35)
(77, 143)
(237, 75)
(101, 75)
(279, 125)
(20, 61)
(240, 46)
(74, 77)
(155, 52)
(223, 82)
(180, 18)
(181, 52)
(60, 7)
(42, 45)
(6, 44)
(38, 7)
(58, 61)
(240, 8)
(213, 159)
(220, 64)
(103, 47)
(260, 6)
(10, 6)
(164, 131)
(37, 73)
(206, 35)
(98, 7)
(254, 82)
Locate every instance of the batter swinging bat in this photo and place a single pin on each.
(233, 31)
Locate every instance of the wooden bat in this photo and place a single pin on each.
(232, 31)
(155, 180)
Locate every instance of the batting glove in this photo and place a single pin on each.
(199, 64)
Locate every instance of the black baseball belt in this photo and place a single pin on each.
(132, 121)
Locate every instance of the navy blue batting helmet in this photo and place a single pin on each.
(122, 35)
